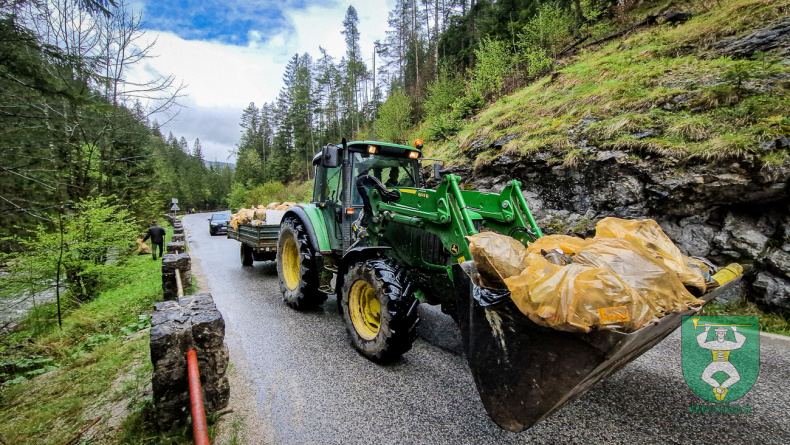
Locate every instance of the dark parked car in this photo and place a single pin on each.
(218, 223)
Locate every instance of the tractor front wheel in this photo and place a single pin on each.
(381, 317)
(297, 268)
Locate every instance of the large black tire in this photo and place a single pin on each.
(245, 254)
(296, 267)
(386, 337)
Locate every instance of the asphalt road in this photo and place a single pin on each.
(311, 386)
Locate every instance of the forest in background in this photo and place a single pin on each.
(73, 127)
(441, 62)
(84, 166)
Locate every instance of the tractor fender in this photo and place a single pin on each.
(299, 213)
(351, 257)
(361, 253)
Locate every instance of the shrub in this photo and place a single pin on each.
(441, 95)
(85, 249)
(538, 61)
(549, 29)
(495, 60)
(468, 105)
(442, 127)
(394, 118)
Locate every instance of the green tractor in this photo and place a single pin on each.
(382, 243)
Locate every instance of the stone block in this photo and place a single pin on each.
(192, 322)
(170, 263)
(175, 246)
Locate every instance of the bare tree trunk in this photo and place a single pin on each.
(436, 37)
(59, 263)
(415, 37)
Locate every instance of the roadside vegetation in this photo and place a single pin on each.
(58, 380)
(661, 90)
(772, 323)
(272, 191)
(89, 380)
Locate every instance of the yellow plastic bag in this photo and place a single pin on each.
(568, 244)
(260, 214)
(648, 234)
(728, 273)
(142, 248)
(644, 272)
(577, 298)
(284, 206)
(272, 205)
(497, 257)
(245, 215)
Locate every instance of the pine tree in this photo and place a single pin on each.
(197, 151)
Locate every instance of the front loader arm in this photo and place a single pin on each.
(453, 214)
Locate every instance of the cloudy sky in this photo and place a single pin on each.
(232, 52)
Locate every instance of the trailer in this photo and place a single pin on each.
(258, 242)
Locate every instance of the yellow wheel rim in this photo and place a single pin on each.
(291, 264)
(364, 309)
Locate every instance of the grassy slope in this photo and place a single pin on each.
(101, 361)
(626, 85)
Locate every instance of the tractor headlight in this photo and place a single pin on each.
(414, 154)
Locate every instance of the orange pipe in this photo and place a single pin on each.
(199, 427)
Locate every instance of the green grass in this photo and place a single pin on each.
(665, 79)
(772, 323)
(99, 359)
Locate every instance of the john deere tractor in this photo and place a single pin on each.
(382, 243)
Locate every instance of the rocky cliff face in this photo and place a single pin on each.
(733, 211)
(732, 206)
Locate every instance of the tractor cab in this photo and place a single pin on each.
(337, 169)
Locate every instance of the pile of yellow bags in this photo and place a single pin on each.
(623, 279)
(256, 213)
(142, 248)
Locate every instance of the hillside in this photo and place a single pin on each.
(684, 123)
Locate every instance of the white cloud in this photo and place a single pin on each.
(223, 79)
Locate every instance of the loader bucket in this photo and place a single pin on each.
(525, 372)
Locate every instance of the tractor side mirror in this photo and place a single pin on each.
(329, 157)
(437, 171)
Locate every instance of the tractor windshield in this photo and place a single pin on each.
(392, 172)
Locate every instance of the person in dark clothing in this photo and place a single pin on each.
(392, 180)
(157, 235)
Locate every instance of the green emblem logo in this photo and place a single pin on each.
(721, 355)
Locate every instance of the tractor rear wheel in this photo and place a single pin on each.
(380, 313)
(297, 268)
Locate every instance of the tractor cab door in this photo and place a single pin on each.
(327, 195)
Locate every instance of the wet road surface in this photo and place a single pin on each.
(312, 387)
